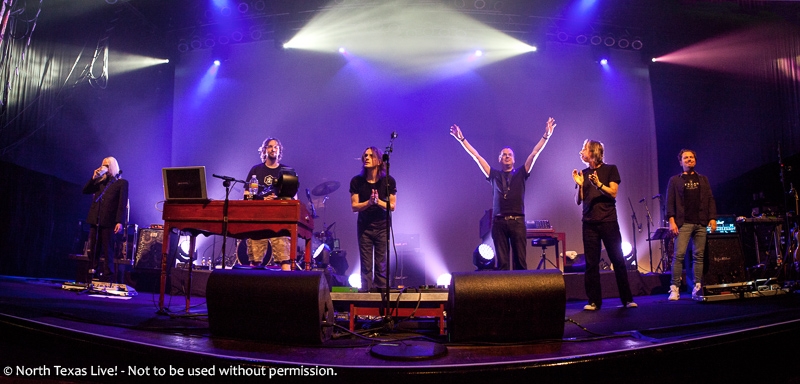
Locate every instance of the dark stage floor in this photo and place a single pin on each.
(112, 339)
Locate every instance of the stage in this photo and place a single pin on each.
(112, 338)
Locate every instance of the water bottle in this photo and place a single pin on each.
(253, 186)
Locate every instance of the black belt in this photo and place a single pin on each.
(508, 217)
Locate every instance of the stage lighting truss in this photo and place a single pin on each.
(598, 35)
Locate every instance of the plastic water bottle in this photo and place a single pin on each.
(253, 186)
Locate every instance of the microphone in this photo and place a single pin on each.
(394, 135)
(656, 196)
(308, 194)
(226, 178)
(640, 228)
(642, 200)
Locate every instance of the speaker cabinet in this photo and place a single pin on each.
(506, 306)
(724, 261)
(146, 274)
(292, 307)
(148, 249)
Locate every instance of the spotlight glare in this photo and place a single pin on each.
(444, 279)
(478, 53)
(626, 248)
(354, 280)
(603, 61)
(654, 59)
(216, 62)
(342, 50)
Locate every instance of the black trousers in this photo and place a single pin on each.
(609, 234)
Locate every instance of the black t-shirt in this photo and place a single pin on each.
(267, 177)
(508, 191)
(597, 206)
(691, 198)
(361, 187)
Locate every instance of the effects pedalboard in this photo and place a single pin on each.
(743, 290)
(99, 287)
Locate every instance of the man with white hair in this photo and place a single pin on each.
(108, 215)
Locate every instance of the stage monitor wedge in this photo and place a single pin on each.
(506, 306)
(256, 304)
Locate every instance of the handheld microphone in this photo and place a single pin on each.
(642, 200)
(656, 196)
(394, 135)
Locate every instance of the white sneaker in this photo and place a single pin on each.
(673, 293)
(697, 290)
(590, 307)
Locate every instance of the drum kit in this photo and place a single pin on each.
(324, 241)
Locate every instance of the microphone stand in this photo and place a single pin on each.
(649, 238)
(386, 155)
(635, 224)
(93, 261)
(227, 183)
(401, 349)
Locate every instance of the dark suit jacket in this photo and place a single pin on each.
(112, 207)
(708, 206)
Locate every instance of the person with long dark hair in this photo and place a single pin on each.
(597, 187)
(372, 192)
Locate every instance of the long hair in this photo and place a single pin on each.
(381, 165)
(113, 166)
(262, 150)
(595, 150)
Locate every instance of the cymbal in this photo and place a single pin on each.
(325, 188)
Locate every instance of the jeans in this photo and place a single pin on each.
(608, 233)
(696, 233)
(509, 235)
(372, 247)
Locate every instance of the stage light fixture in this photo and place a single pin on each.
(237, 36)
(196, 43)
(223, 39)
(183, 45)
(562, 36)
(483, 257)
(479, 4)
(444, 279)
(637, 44)
(596, 40)
(209, 42)
(478, 53)
(243, 7)
(217, 62)
(342, 50)
(603, 62)
(354, 280)
(609, 41)
(624, 42)
(322, 255)
(581, 39)
(259, 5)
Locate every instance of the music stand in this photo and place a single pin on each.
(661, 234)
